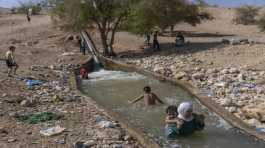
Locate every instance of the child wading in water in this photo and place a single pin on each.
(149, 97)
(182, 121)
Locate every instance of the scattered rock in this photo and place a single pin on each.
(3, 131)
(198, 76)
(180, 75)
(11, 140)
(226, 102)
(90, 143)
(28, 103)
(232, 109)
(69, 38)
(117, 146)
(4, 95)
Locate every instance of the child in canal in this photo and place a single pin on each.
(182, 121)
(149, 97)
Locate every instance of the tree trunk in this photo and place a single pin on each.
(111, 42)
(104, 42)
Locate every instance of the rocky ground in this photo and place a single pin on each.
(80, 117)
(232, 75)
(47, 54)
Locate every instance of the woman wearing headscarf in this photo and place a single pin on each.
(184, 122)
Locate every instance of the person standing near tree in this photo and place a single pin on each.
(29, 12)
(148, 37)
(156, 45)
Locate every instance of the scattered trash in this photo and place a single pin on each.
(68, 54)
(260, 130)
(106, 124)
(99, 119)
(117, 146)
(52, 131)
(30, 83)
(40, 117)
(221, 84)
(57, 98)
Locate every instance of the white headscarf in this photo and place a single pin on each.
(182, 109)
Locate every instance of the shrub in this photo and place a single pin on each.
(23, 8)
(246, 15)
(261, 22)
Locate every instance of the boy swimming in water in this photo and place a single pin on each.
(149, 97)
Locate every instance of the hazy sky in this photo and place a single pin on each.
(11, 3)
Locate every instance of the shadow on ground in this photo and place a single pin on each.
(195, 34)
(170, 48)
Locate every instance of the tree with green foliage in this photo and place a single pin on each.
(104, 15)
(201, 3)
(159, 14)
(246, 15)
(24, 7)
(110, 16)
(261, 22)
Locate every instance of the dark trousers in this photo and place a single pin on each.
(156, 45)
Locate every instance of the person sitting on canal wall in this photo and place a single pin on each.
(180, 40)
(185, 121)
(149, 97)
(83, 72)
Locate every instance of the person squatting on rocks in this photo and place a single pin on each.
(180, 40)
(182, 121)
(156, 44)
(149, 97)
(10, 61)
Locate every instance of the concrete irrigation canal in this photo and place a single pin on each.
(112, 89)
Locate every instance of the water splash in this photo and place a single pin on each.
(103, 75)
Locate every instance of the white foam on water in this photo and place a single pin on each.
(222, 123)
(103, 75)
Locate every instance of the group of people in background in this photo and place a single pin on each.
(156, 45)
(179, 40)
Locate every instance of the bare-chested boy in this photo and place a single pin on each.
(149, 97)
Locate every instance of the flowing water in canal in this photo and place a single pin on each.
(113, 89)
